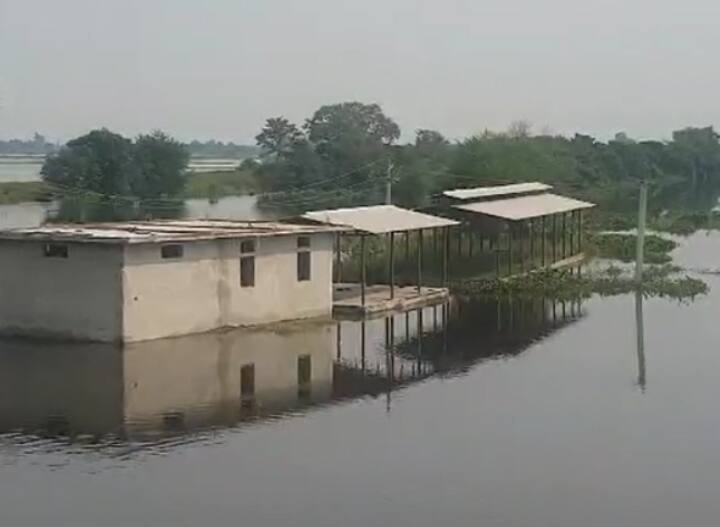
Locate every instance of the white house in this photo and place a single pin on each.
(146, 280)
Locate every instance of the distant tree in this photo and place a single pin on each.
(112, 165)
(519, 129)
(161, 163)
(429, 140)
(351, 136)
(622, 137)
(100, 161)
(351, 121)
(279, 136)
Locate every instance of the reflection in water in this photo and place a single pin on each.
(27, 215)
(640, 333)
(169, 390)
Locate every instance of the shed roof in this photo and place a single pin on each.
(379, 219)
(526, 207)
(496, 191)
(163, 231)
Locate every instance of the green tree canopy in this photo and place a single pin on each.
(279, 137)
(107, 163)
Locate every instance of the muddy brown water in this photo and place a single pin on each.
(518, 414)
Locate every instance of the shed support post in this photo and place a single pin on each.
(363, 276)
(564, 235)
(497, 258)
(338, 258)
(510, 249)
(446, 251)
(579, 233)
(471, 243)
(554, 238)
(419, 260)
(391, 270)
(532, 244)
(542, 242)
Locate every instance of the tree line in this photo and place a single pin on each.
(343, 152)
(346, 153)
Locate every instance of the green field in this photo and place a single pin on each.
(208, 185)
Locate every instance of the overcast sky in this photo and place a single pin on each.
(218, 68)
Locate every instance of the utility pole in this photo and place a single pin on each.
(388, 184)
(642, 216)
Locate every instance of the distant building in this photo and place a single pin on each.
(147, 280)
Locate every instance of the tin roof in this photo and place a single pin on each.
(526, 207)
(379, 219)
(496, 191)
(163, 231)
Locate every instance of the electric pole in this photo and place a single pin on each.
(388, 184)
(642, 215)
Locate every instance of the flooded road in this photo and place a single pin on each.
(508, 414)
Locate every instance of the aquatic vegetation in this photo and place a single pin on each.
(623, 247)
(658, 281)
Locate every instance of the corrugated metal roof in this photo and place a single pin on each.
(163, 231)
(496, 191)
(526, 207)
(379, 219)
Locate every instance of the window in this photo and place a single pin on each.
(303, 259)
(55, 250)
(172, 251)
(247, 381)
(174, 421)
(304, 373)
(247, 263)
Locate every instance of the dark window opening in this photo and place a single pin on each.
(247, 263)
(247, 271)
(247, 246)
(174, 421)
(247, 381)
(172, 251)
(303, 259)
(304, 373)
(55, 250)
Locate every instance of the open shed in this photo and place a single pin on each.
(520, 213)
(384, 221)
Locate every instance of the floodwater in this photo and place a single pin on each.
(26, 215)
(19, 168)
(511, 414)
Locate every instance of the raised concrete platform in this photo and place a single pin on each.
(347, 300)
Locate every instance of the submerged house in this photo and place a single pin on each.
(146, 280)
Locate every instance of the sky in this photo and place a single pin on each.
(219, 68)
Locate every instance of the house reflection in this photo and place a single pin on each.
(171, 387)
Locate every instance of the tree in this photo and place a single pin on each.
(279, 136)
(355, 120)
(519, 129)
(100, 161)
(429, 141)
(161, 163)
(111, 165)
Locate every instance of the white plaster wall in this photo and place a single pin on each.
(78, 297)
(201, 291)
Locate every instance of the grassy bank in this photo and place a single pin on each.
(22, 192)
(209, 185)
(213, 185)
(660, 281)
(623, 247)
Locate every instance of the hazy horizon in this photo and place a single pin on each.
(218, 70)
